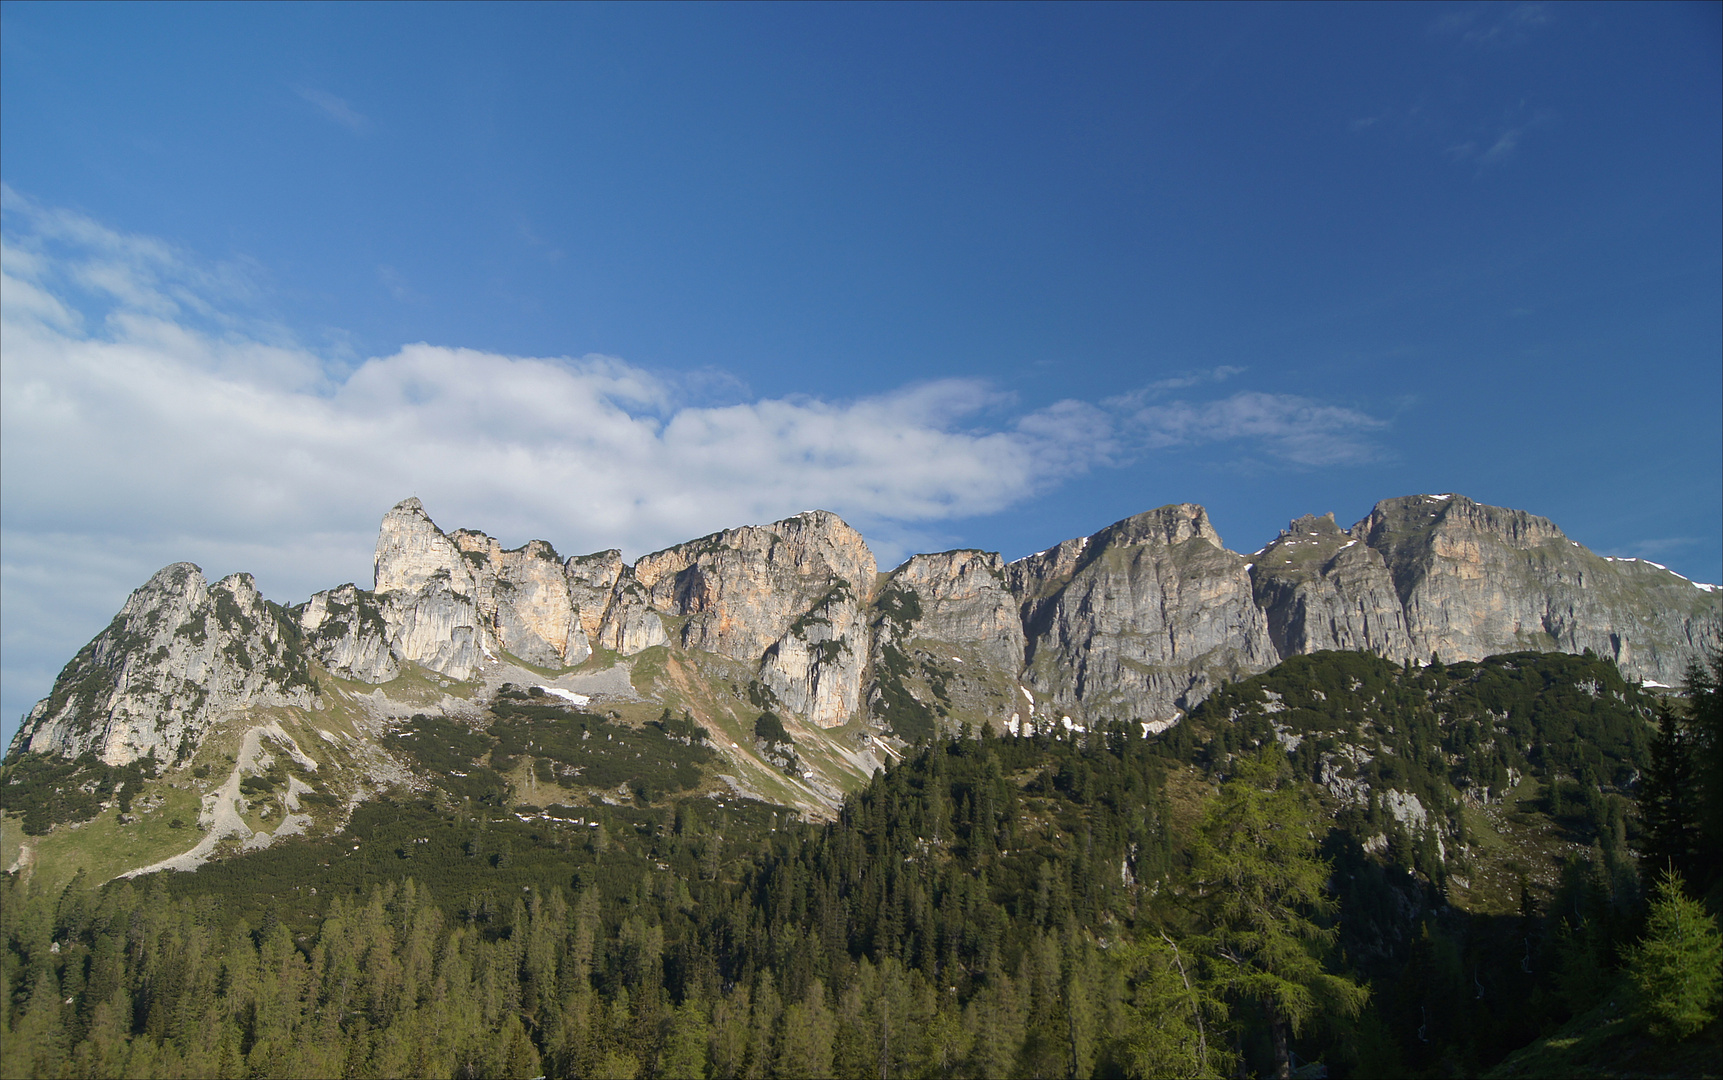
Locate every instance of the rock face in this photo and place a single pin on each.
(1322, 588)
(786, 596)
(347, 633)
(428, 595)
(525, 595)
(1137, 622)
(947, 643)
(179, 655)
(1443, 574)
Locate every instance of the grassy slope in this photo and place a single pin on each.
(1606, 1042)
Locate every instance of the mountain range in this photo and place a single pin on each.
(1139, 622)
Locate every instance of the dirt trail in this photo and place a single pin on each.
(220, 814)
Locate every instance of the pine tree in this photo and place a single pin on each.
(1172, 1014)
(684, 1056)
(1704, 689)
(806, 1036)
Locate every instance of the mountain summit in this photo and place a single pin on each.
(1139, 622)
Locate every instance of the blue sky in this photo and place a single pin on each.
(968, 275)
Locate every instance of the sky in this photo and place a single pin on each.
(967, 275)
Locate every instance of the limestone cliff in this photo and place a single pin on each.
(1476, 580)
(1323, 588)
(1443, 574)
(180, 655)
(947, 643)
(346, 632)
(1138, 621)
(428, 595)
(786, 596)
(524, 594)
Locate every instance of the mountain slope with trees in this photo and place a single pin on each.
(1071, 904)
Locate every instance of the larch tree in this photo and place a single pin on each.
(1677, 969)
(1262, 882)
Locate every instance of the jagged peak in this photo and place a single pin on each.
(411, 550)
(238, 582)
(805, 539)
(1171, 524)
(175, 576)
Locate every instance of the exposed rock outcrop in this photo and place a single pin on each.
(1137, 622)
(787, 596)
(347, 633)
(947, 643)
(1443, 574)
(180, 655)
(524, 594)
(1323, 588)
(1140, 620)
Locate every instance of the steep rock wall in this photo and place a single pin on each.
(179, 655)
(1152, 611)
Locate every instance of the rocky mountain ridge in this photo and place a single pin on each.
(1140, 621)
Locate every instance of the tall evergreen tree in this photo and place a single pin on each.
(1666, 804)
(1172, 1014)
(1704, 687)
(1258, 869)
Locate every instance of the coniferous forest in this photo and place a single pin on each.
(1209, 901)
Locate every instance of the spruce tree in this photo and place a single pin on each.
(1666, 799)
(1704, 688)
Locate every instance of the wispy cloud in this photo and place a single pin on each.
(397, 285)
(1184, 381)
(1663, 547)
(547, 250)
(1295, 429)
(1494, 26)
(335, 108)
(1496, 143)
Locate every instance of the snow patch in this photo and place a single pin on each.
(567, 695)
(1155, 727)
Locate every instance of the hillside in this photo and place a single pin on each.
(988, 906)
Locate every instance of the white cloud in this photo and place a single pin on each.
(1494, 26)
(146, 418)
(154, 426)
(334, 108)
(397, 285)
